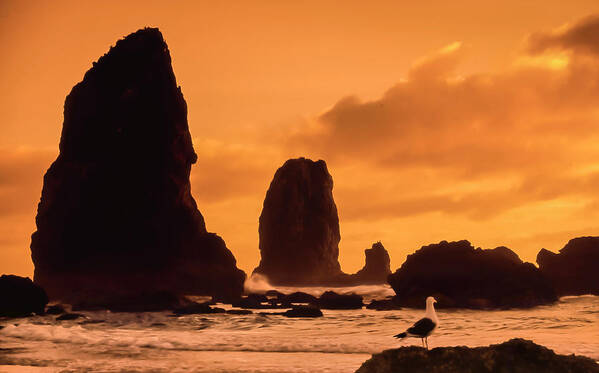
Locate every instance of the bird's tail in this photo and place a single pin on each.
(401, 335)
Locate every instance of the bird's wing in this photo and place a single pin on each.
(422, 327)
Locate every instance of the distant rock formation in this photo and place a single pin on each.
(377, 267)
(116, 216)
(299, 232)
(514, 356)
(574, 270)
(458, 275)
(20, 297)
(299, 226)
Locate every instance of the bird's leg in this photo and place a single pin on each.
(426, 339)
(422, 340)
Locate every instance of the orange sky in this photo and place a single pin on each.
(440, 120)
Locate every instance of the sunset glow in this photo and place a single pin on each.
(441, 122)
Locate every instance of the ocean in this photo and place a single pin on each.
(338, 342)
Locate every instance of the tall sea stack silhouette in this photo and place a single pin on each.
(299, 226)
(116, 218)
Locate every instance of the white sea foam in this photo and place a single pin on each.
(166, 343)
(258, 283)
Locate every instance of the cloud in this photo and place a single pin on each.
(522, 135)
(581, 36)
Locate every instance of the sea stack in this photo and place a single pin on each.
(299, 226)
(574, 270)
(377, 267)
(460, 276)
(116, 217)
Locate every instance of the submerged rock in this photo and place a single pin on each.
(513, 356)
(20, 297)
(574, 270)
(299, 226)
(458, 275)
(116, 216)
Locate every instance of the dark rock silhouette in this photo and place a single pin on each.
(300, 297)
(274, 294)
(574, 270)
(333, 301)
(143, 301)
(514, 356)
(299, 226)
(303, 311)
(260, 301)
(20, 297)
(55, 309)
(383, 305)
(377, 267)
(299, 231)
(458, 275)
(116, 216)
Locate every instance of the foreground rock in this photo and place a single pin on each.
(574, 270)
(513, 356)
(458, 275)
(299, 226)
(20, 297)
(116, 216)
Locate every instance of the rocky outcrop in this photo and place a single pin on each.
(303, 311)
(116, 216)
(299, 226)
(574, 270)
(20, 297)
(332, 301)
(514, 356)
(377, 267)
(458, 275)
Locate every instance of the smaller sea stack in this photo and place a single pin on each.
(299, 226)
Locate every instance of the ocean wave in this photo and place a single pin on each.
(106, 340)
(258, 283)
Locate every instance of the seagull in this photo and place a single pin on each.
(425, 326)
